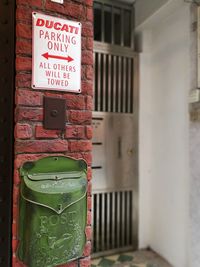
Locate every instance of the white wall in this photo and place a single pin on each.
(195, 193)
(194, 161)
(164, 124)
(146, 8)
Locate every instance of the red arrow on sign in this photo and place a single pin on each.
(47, 56)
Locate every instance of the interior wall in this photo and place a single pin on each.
(195, 193)
(194, 159)
(164, 164)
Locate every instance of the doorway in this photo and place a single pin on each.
(115, 130)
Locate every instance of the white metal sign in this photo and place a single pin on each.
(56, 62)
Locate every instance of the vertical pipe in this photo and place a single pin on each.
(129, 86)
(122, 219)
(114, 109)
(127, 217)
(101, 83)
(118, 220)
(93, 223)
(131, 218)
(98, 89)
(132, 86)
(122, 27)
(109, 84)
(112, 26)
(95, 82)
(97, 223)
(132, 26)
(103, 222)
(102, 24)
(124, 85)
(108, 221)
(113, 220)
(119, 83)
(104, 84)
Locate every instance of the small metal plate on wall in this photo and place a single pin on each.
(54, 113)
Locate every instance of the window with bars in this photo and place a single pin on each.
(113, 23)
(113, 83)
(112, 220)
(115, 64)
(113, 57)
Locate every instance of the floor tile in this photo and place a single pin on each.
(141, 258)
(106, 263)
(96, 261)
(113, 257)
(124, 258)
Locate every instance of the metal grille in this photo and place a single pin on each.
(114, 22)
(7, 59)
(113, 82)
(112, 221)
(115, 217)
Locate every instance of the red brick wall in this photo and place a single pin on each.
(32, 141)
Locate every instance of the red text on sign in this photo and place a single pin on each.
(50, 24)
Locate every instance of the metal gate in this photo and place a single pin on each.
(115, 150)
(7, 59)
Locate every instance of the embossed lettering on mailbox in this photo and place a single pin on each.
(52, 211)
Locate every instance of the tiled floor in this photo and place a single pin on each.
(142, 258)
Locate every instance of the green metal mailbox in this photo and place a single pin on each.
(53, 209)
